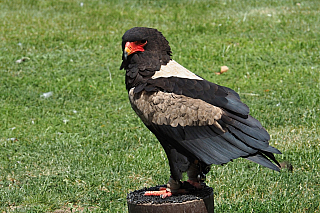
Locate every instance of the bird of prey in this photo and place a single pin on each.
(198, 123)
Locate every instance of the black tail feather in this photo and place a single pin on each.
(264, 161)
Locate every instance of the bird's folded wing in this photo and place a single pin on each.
(201, 89)
(211, 133)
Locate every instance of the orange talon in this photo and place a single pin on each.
(163, 193)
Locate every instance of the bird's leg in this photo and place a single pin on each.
(197, 175)
(193, 175)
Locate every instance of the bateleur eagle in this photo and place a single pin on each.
(198, 123)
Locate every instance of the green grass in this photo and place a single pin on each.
(84, 148)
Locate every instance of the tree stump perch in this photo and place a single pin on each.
(197, 201)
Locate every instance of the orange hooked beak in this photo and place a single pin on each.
(132, 47)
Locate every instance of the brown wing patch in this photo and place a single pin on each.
(163, 108)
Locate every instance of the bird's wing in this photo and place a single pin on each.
(197, 128)
(201, 119)
(176, 79)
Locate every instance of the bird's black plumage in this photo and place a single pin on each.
(196, 121)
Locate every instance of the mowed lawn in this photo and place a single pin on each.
(82, 148)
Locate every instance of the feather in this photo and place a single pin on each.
(260, 159)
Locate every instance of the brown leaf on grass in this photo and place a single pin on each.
(222, 70)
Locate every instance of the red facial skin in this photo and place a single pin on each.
(134, 46)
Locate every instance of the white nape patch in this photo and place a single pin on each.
(174, 69)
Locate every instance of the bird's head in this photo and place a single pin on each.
(142, 40)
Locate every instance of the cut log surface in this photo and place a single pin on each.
(197, 201)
